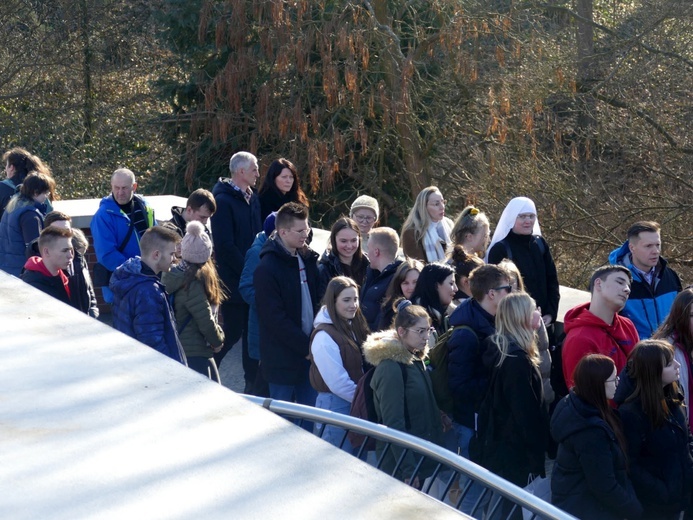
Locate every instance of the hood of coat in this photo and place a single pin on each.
(79, 241)
(322, 317)
(573, 415)
(580, 316)
(384, 345)
(129, 275)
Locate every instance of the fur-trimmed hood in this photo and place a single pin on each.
(384, 345)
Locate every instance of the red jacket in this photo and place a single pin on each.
(588, 334)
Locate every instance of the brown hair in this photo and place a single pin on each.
(339, 225)
(50, 234)
(24, 162)
(356, 331)
(207, 275)
(604, 271)
(678, 323)
(202, 197)
(275, 169)
(644, 226)
(484, 278)
(37, 183)
(56, 216)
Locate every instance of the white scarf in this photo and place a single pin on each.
(436, 239)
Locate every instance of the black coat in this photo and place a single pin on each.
(538, 269)
(373, 293)
(660, 460)
(51, 285)
(330, 266)
(283, 344)
(234, 226)
(590, 478)
(513, 423)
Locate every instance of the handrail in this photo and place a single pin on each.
(428, 449)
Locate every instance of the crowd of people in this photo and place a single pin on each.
(607, 402)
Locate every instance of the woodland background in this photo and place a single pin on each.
(584, 105)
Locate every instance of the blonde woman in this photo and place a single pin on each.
(426, 232)
(471, 231)
(513, 423)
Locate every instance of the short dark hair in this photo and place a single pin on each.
(644, 226)
(56, 216)
(605, 270)
(288, 213)
(50, 234)
(486, 277)
(155, 237)
(202, 197)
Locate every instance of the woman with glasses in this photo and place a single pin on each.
(402, 391)
(344, 255)
(365, 212)
(512, 433)
(657, 435)
(281, 185)
(518, 238)
(335, 354)
(426, 232)
(590, 475)
(435, 290)
(677, 329)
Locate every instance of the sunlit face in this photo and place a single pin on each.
(284, 181)
(201, 214)
(447, 290)
(416, 336)
(167, 257)
(296, 235)
(524, 223)
(347, 303)
(123, 188)
(248, 175)
(670, 372)
(409, 283)
(365, 219)
(611, 384)
(645, 250)
(436, 206)
(478, 242)
(615, 289)
(347, 244)
(59, 254)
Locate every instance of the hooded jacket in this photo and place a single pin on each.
(141, 309)
(468, 376)
(37, 275)
(385, 351)
(191, 306)
(330, 266)
(18, 227)
(373, 292)
(647, 306)
(284, 346)
(661, 460)
(247, 290)
(588, 334)
(234, 226)
(590, 477)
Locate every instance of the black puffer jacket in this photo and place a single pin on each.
(589, 478)
(660, 460)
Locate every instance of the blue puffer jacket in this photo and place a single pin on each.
(247, 290)
(12, 237)
(141, 309)
(647, 308)
(468, 376)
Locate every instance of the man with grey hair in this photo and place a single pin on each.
(234, 226)
(117, 226)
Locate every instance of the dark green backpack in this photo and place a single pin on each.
(438, 364)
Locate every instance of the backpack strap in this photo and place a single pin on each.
(171, 302)
(537, 240)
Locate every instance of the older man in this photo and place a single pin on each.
(117, 226)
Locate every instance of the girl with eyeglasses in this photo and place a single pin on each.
(657, 435)
(344, 255)
(518, 238)
(590, 475)
(402, 391)
(426, 231)
(512, 434)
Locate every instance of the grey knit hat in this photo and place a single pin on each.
(196, 246)
(364, 201)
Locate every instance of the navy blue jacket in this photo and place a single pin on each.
(7, 190)
(234, 226)
(660, 460)
(17, 231)
(247, 290)
(142, 311)
(647, 307)
(283, 344)
(468, 376)
(373, 293)
(590, 477)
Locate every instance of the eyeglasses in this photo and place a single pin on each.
(364, 218)
(526, 216)
(614, 380)
(508, 288)
(422, 332)
(304, 232)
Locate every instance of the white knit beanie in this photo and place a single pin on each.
(365, 201)
(196, 246)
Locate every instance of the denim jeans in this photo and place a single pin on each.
(302, 393)
(464, 436)
(333, 434)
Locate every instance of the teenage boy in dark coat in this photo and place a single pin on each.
(382, 247)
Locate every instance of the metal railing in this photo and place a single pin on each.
(449, 467)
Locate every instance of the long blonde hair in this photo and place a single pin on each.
(514, 325)
(418, 217)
